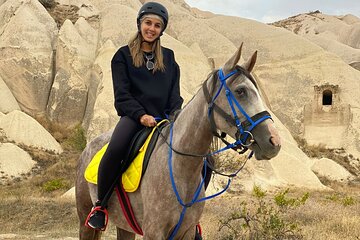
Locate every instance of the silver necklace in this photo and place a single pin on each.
(149, 61)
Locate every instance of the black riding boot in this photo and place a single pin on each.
(98, 217)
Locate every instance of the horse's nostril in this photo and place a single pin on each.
(275, 141)
(274, 136)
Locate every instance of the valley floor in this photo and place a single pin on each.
(323, 216)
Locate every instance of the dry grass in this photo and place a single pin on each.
(28, 210)
(321, 218)
(324, 218)
(49, 167)
(24, 214)
(29, 207)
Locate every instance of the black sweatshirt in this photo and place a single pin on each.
(139, 91)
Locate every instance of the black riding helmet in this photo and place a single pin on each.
(153, 8)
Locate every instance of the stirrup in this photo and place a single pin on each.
(93, 211)
(198, 234)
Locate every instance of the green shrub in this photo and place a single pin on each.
(258, 192)
(55, 184)
(76, 140)
(266, 219)
(348, 201)
(282, 201)
(343, 200)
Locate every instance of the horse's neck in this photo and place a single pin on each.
(192, 132)
(192, 135)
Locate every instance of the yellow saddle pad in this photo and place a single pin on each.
(132, 176)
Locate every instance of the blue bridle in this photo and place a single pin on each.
(243, 128)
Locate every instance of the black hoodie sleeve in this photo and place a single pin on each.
(125, 103)
(175, 100)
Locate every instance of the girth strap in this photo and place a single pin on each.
(127, 209)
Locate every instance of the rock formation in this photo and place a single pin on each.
(75, 55)
(8, 154)
(22, 129)
(8, 102)
(27, 41)
(337, 34)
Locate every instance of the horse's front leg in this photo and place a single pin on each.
(157, 231)
(154, 229)
(188, 235)
(124, 235)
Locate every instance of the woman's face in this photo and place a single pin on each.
(150, 29)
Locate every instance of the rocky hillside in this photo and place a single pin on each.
(337, 34)
(55, 70)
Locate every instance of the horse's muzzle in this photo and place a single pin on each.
(267, 145)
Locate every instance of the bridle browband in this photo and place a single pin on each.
(244, 128)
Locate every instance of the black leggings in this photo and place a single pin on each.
(114, 155)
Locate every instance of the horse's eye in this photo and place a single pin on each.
(240, 92)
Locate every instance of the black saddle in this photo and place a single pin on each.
(138, 141)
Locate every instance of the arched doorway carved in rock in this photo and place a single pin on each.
(327, 98)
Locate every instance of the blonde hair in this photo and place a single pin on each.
(149, 15)
(137, 53)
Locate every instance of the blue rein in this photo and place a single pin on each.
(242, 132)
(195, 198)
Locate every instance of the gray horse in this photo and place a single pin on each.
(154, 203)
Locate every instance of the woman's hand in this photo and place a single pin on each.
(147, 120)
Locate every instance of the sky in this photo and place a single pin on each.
(268, 11)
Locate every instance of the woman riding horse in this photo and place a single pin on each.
(146, 86)
(232, 105)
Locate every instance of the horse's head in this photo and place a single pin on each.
(236, 108)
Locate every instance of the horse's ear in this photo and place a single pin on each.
(232, 62)
(249, 65)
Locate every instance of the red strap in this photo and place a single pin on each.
(127, 210)
(199, 229)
